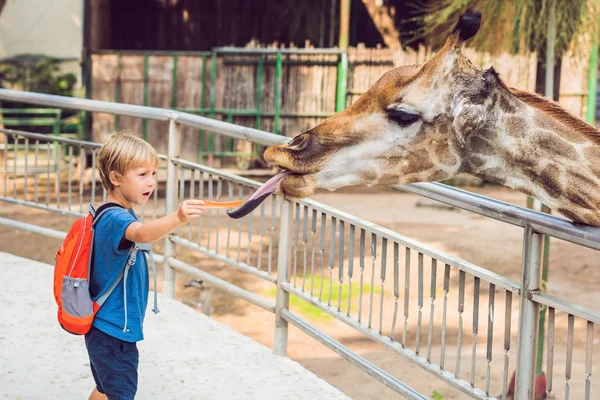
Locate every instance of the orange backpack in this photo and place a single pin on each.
(76, 309)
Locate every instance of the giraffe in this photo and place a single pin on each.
(428, 123)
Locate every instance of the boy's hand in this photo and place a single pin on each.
(190, 209)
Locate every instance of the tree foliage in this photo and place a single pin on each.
(36, 74)
(512, 25)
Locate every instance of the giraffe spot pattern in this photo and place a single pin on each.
(555, 145)
(550, 177)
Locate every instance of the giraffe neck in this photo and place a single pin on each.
(529, 151)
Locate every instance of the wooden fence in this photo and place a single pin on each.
(286, 96)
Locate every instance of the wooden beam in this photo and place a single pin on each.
(383, 18)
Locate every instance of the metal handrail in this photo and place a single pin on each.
(534, 224)
(584, 235)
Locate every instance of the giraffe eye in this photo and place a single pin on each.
(403, 118)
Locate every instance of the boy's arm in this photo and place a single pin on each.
(152, 231)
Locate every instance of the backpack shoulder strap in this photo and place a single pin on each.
(103, 210)
(146, 248)
(130, 261)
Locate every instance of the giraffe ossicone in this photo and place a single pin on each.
(430, 122)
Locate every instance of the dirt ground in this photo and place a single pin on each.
(574, 276)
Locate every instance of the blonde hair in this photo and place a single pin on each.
(121, 152)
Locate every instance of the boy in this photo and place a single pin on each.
(127, 166)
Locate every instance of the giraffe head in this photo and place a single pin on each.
(428, 123)
(410, 126)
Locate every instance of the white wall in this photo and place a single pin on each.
(48, 27)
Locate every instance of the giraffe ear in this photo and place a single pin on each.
(468, 118)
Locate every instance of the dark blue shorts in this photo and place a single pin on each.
(114, 364)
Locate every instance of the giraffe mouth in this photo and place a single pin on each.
(267, 189)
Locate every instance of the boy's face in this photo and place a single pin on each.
(136, 186)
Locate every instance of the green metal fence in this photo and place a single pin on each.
(260, 59)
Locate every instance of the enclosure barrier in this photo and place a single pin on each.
(404, 295)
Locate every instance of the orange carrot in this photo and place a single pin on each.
(223, 204)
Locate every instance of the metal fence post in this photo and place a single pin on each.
(529, 315)
(282, 299)
(171, 200)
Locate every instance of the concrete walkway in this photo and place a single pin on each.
(185, 355)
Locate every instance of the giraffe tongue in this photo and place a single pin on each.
(258, 197)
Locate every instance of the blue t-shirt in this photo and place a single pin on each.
(111, 251)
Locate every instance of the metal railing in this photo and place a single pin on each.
(450, 317)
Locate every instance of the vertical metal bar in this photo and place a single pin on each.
(331, 257)
(550, 49)
(248, 254)
(569, 360)
(174, 83)
(171, 206)
(283, 297)
(118, 88)
(589, 351)
(145, 121)
(313, 235)
(218, 220)
(261, 236)
(490, 337)
(48, 146)
(396, 288)
(432, 296)
(229, 139)
(475, 330)
(201, 190)
(419, 301)
(5, 169)
(406, 293)
(382, 274)
(341, 257)
(211, 112)
(550, 354)
(57, 152)
(259, 79)
(202, 110)
(26, 166)
(93, 200)
(70, 177)
(181, 191)
(272, 232)
(342, 72)
(372, 288)
(209, 223)
(295, 241)
(304, 245)
(278, 68)
(342, 82)
(528, 315)
(192, 194)
(16, 157)
(239, 244)
(507, 337)
(230, 197)
(590, 116)
(351, 243)
(35, 171)
(362, 272)
(81, 175)
(461, 309)
(155, 196)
